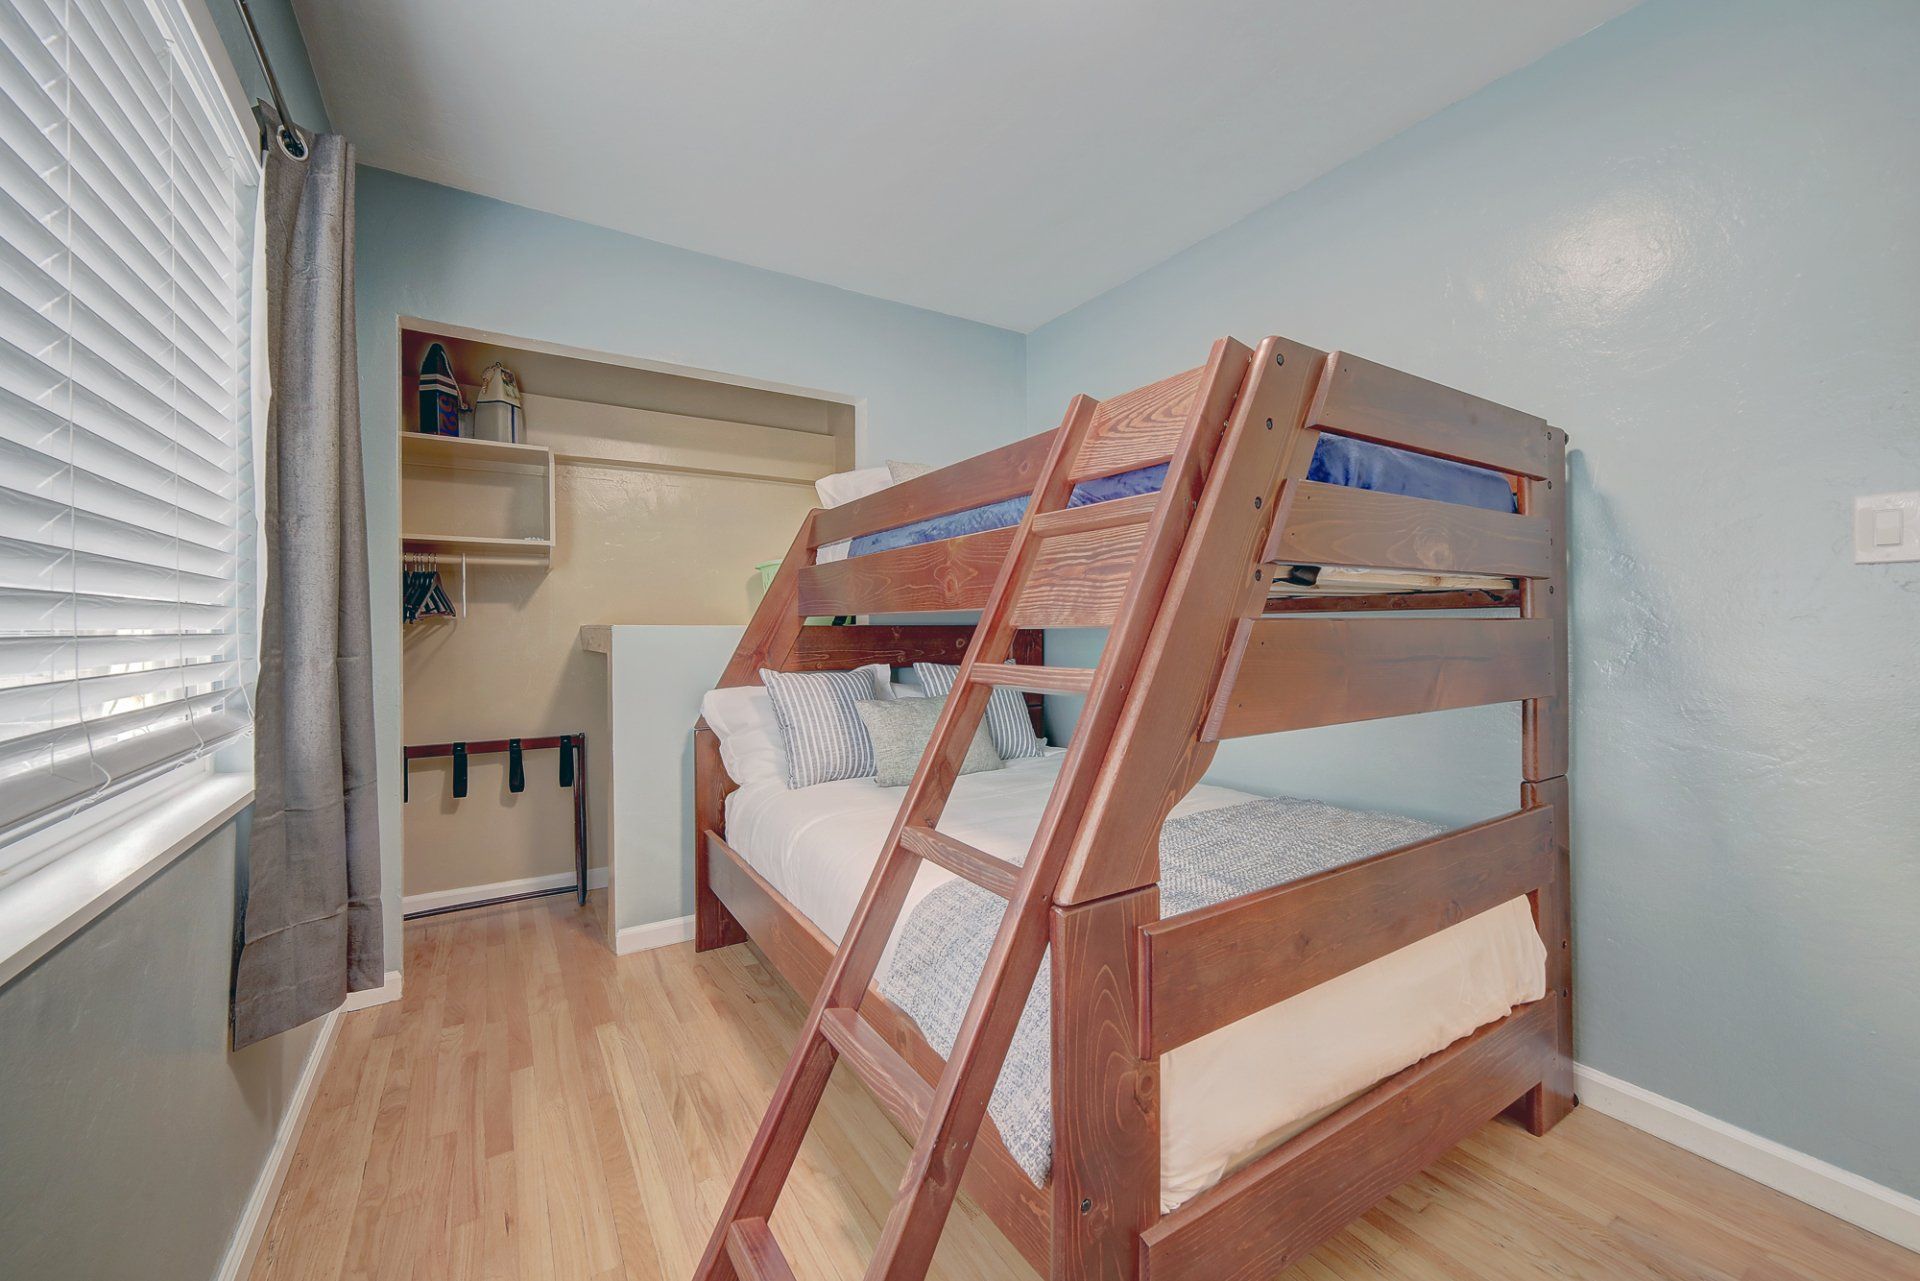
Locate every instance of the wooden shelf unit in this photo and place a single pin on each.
(464, 453)
(422, 449)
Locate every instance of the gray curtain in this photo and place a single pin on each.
(310, 920)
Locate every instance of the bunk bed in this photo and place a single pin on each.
(1225, 488)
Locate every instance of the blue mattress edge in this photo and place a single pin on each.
(1338, 460)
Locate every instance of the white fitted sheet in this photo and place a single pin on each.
(1235, 1092)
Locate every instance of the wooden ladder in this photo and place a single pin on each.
(946, 1118)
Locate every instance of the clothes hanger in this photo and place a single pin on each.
(423, 593)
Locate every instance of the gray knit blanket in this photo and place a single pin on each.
(1205, 858)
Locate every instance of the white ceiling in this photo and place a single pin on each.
(1003, 160)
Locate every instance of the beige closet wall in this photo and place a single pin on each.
(660, 518)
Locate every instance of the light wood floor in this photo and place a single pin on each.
(535, 1108)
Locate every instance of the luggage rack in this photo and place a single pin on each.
(573, 774)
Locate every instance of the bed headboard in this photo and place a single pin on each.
(823, 648)
(778, 637)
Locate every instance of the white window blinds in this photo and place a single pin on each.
(126, 510)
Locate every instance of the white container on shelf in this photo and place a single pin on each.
(496, 410)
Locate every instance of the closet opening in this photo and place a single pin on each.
(557, 493)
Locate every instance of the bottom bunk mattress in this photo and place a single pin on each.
(1226, 1097)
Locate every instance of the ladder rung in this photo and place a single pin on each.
(900, 1089)
(1046, 680)
(983, 869)
(1107, 515)
(756, 1255)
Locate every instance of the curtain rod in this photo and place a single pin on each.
(289, 137)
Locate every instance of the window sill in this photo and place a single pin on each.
(49, 906)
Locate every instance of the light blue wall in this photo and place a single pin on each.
(656, 678)
(280, 33)
(934, 388)
(130, 1137)
(1689, 239)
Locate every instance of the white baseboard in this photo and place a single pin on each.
(387, 991)
(643, 938)
(251, 1233)
(1861, 1202)
(596, 880)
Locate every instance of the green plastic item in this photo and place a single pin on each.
(768, 568)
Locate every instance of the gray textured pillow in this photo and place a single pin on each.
(900, 731)
(1007, 719)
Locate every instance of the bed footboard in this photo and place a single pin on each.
(1203, 970)
(1269, 1215)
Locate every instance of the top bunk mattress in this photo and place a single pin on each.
(1231, 1094)
(1337, 460)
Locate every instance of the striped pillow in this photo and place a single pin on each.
(823, 734)
(1007, 718)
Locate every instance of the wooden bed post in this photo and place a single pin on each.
(769, 640)
(1547, 1104)
(1106, 1098)
(1544, 737)
(713, 925)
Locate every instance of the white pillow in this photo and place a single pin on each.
(843, 487)
(749, 732)
(752, 746)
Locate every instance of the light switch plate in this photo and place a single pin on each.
(1876, 522)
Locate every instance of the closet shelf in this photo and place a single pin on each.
(528, 549)
(461, 480)
(420, 448)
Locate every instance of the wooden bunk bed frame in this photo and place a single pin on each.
(1197, 651)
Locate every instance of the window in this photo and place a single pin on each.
(126, 504)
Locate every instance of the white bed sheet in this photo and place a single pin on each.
(1236, 1092)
